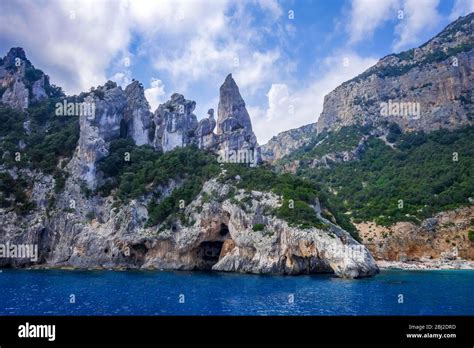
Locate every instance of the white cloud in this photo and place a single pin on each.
(221, 43)
(367, 15)
(255, 69)
(419, 16)
(155, 93)
(58, 38)
(76, 41)
(291, 108)
(272, 6)
(461, 8)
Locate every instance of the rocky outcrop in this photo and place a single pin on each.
(177, 126)
(74, 226)
(20, 83)
(218, 235)
(444, 236)
(97, 130)
(232, 113)
(234, 129)
(425, 88)
(205, 131)
(285, 142)
(137, 116)
(175, 123)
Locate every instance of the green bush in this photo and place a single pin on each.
(258, 227)
(471, 235)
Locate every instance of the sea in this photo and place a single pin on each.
(78, 292)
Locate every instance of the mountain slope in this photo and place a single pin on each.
(405, 181)
(438, 76)
(431, 86)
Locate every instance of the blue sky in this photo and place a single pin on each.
(284, 55)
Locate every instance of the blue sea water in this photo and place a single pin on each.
(48, 292)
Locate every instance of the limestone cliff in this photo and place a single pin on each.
(286, 142)
(175, 123)
(444, 236)
(20, 82)
(436, 77)
(137, 115)
(177, 126)
(425, 88)
(219, 236)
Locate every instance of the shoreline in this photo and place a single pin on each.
(429, 265)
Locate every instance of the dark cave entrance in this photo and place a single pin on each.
(224, 231)
(123, 129)
(208, 254)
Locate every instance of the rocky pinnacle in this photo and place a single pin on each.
(231, 112)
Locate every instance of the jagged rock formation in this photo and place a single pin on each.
(231, 110)
(219, 237)
(97, 130)
(234, 129)
(137, 115)
(285, 142)
(204, 132)
(437, 75)
(117, 113)
(175, 123)
(177, 126)
(20, 82)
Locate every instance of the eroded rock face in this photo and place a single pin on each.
(438, 76)
(219, 235)
(175, 123)
(205, 131)
(285, 142)
(444, 236)
(177, 126)
(96, 132)
(21, 82)
(232, 113)
(137, 115)
(234, 128)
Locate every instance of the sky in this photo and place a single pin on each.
(285, 55)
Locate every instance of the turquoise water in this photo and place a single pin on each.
(48, 292)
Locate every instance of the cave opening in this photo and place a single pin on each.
(123, 129)
(224, 231)
(208, 254)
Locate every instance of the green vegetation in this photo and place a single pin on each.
(299, 195)
(12, 193)
(471, 235)
(147, 171)
(345, 139)
(258, 227)
(417, 179)
(50, 139)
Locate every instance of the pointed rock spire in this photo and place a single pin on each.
(231, 112)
